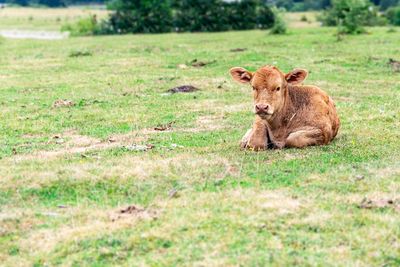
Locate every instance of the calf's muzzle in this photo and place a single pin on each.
(262, 109)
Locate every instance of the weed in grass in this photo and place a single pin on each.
(80, 53)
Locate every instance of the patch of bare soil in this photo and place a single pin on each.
(198, 64)
(183, 89)
(394, 64)
(238, 50)
(134, 211)
(63, 103)
(164, 127)
(382, 203)
(131, 210)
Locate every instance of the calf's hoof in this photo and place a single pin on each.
(253, 146)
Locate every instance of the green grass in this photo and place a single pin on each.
(233, 207)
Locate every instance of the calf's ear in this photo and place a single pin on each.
(296, 76)
(241, 75)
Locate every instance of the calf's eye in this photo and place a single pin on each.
(278, 88)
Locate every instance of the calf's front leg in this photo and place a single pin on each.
(257, 137)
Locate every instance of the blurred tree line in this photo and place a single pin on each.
(52, 3)
(289, 5)
(306, 5)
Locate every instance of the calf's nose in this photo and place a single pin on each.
(261, 108)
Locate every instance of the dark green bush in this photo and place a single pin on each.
(144, 16)
(248, 14)
(265, 17)
(241, 15)
(201, 15)
(151, 16)
(393, 15)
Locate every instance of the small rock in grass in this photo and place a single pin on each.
(112, 139)
(182, 66)
(136, 147)
(173, 146)
(59, 141)
(173, 193)
(359, 177)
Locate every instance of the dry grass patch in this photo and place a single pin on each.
(231, 211)
(294, 19)
(50, 13)
(386, 172)
(83, 223)
(72, 143)
(190, 168)
(241, 206)
(138, 167)
(248, 208)
(215, 106)
(207, 123)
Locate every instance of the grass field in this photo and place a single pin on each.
(69, 174)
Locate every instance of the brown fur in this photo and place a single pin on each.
(288, 114)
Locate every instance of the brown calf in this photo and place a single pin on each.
(287, 114)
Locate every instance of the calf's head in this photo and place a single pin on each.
(270, 87)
